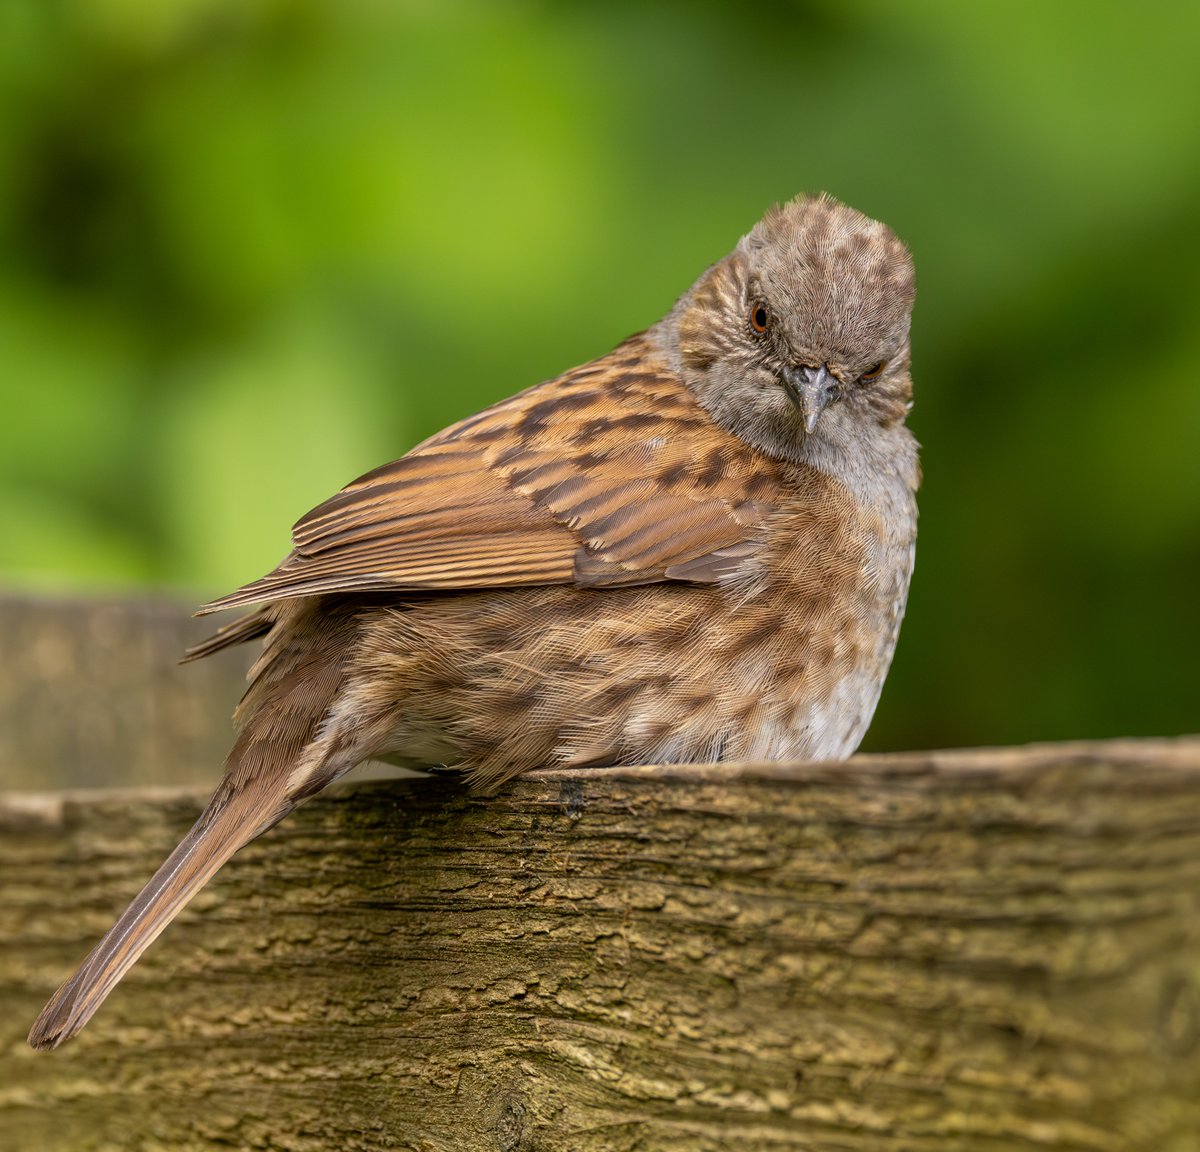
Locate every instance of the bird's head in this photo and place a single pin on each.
(800, 335)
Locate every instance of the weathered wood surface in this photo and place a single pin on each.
(978, 951)
(97, 697)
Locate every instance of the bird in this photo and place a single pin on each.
(696, 548)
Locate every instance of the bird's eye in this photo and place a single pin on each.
(872, 374)
(760, 318)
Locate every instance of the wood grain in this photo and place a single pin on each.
(984, 951)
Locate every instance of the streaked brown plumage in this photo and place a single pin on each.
(697, 547)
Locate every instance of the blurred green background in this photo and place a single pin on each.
(250, 250)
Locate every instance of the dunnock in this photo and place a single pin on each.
(695, 548)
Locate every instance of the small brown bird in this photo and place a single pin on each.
(696, 548)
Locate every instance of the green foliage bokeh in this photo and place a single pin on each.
(250, 250)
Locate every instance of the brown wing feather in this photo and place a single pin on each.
(608, 475)
(257, 623)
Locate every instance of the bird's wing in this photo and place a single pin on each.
(609, 475)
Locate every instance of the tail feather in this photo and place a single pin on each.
(213, 839)
(282, 755)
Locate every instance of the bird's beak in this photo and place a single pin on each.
(811, 390)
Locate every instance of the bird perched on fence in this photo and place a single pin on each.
(695, 548)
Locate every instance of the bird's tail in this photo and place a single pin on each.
(214, 838)
(284, 753)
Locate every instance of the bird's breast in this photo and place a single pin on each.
(816, 624)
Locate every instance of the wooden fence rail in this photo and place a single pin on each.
(979, 951)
